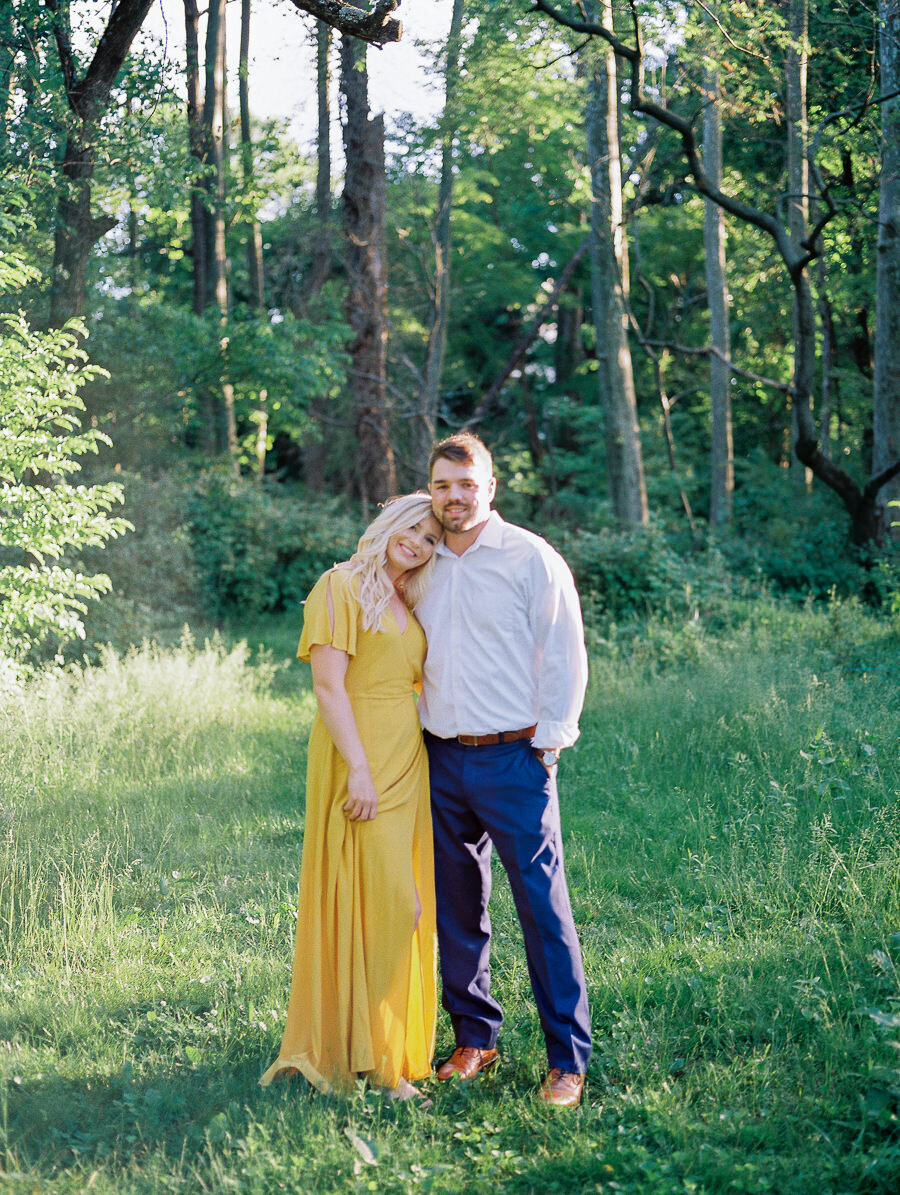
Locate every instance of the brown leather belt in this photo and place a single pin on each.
(490, 740)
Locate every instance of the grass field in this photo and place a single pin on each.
(733, 836)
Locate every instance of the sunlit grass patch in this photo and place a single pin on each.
(731, 823)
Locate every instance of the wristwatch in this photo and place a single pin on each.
(550, 757)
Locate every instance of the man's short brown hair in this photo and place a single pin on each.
(464, 448)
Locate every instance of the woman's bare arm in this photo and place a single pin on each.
(329, 669)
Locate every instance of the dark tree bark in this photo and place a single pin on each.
(322, 250)
(77, 228)
(366, 263)
(568, 351)
(830, 379)
(377, 26)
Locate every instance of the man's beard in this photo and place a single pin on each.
(458, 520)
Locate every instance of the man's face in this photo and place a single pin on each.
(461, 494)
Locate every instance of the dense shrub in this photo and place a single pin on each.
(261, 547)
(44, 515)
(630, 574)
(796, 539)
(155, 582)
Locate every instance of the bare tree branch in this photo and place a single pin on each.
(881, 479)
(89, 96)
(521, 345)
(721, 28)
(591, 27)
(708, 350)
(377, 26)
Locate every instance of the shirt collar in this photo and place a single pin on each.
(490, 536)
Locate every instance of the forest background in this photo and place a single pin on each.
(662, 283)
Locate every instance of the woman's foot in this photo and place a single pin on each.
(406, 1091)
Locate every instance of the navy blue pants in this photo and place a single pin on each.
(502, 796)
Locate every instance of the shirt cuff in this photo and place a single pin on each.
(556, 734)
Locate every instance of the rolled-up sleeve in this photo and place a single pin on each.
(562, 667)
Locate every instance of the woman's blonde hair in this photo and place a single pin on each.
(373, 586)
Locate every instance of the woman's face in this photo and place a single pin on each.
(412, 547)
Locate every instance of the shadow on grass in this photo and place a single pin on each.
(55, 1122)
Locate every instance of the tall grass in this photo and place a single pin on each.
(732, 821)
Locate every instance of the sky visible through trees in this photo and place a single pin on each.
(282, 70)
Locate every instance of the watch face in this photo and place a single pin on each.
(549, 758)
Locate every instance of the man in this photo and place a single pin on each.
(503, 687)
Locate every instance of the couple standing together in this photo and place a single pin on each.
(385, 870)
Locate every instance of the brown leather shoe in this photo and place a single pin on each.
(467, 1061)
(562, 1088)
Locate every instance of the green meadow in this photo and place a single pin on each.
(733, 836)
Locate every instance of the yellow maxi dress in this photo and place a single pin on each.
(364, 989)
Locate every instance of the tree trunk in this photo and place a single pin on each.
(886, 443)
(830, 379)
(425, 424)
(568, 351)
(314, 451)
(795, 78)
(214, 121)
(255, 270)
(722, 445)
(364, 215)
(659, 362)
(609, 288)
(254, 232)
(214, 155)
(77, 228)
(8, 54)
(196, 143)
(322, 250)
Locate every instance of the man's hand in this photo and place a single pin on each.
(549, 757)
(362, 798)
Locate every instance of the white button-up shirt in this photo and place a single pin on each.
(505, 639)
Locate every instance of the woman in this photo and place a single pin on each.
(363, 995)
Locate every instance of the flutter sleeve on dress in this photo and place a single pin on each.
(319, 627)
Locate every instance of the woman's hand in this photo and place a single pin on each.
(362, 797)
(329, 669)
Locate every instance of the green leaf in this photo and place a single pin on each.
(367, 1150)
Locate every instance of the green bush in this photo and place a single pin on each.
(261, 547)
(44, 518)
(630, 574)
(155, 581)
(796, 540)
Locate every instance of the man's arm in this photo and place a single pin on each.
(561, 665)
